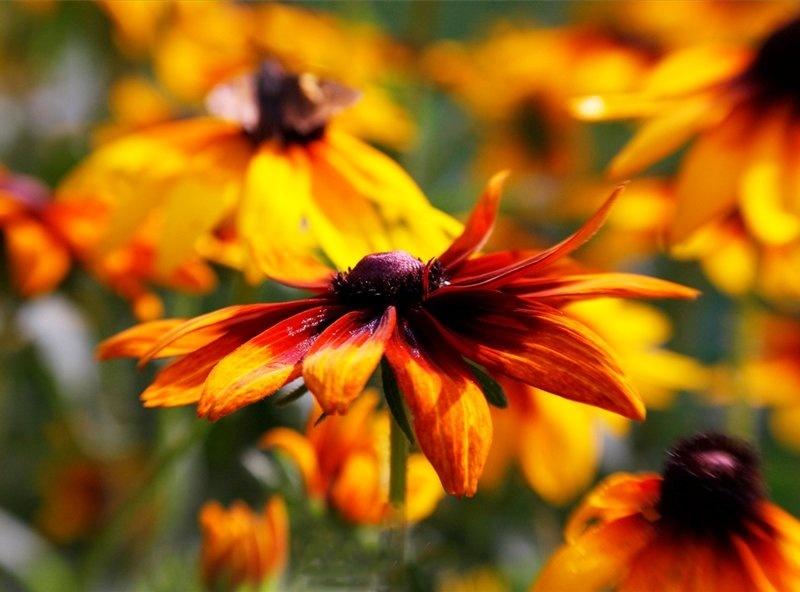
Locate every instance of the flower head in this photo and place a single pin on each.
(242, 547)
(267, 167)
(501, 311)
(704, 524)
(345, 458)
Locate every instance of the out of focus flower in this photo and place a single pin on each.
(483, 579)
(527, 126)
(705, 524)
(556, 441)
(242, 547)
(741, 107)
(345, 460)
(501, 310)
(771, 373)
(269, 163)
(38, 257)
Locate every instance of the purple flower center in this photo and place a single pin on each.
(712, 485)
(383, 279)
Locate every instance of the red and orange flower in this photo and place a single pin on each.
(345, 460)
(501, 311)
(242, 547)
(705, 524)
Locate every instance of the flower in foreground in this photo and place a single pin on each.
(704, 524)
(345, 460)
(430, 320)
(741, 109)
(242, 547)
(269, 164)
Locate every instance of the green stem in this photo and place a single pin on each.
(398, 460)
(741, 417)
(396, 532)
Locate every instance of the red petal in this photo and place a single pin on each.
(592, 285)
(479, 226)
(451, 416)
(537, 345)
(262, 365)
(341, 361)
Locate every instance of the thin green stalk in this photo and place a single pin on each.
(396, 533)
(741, 417)
(398, 460)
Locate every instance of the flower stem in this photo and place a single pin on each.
(398, 459)
(395, 534)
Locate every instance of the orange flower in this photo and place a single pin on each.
(501, 311)
(741, 105)
(38, 257)
(345, 459)
(704, 525)
(269, 164)
(241, 547)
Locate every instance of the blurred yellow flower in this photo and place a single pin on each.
(517, 83)
(485, 579)
(345, 460)
(268, 163)
(741, 107)
(242, 547)
(557, 442)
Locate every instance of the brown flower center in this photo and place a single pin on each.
(712, 485)
(773, 73)
(383, 279)
(275, 104)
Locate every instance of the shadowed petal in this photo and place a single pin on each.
(451, 416)
(263, 364)
(341, 361)
(301, 451)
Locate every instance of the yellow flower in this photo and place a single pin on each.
(517, 83)
(267, 163)
(740, 106)
(705, 524)
(242, 547)
(345, 460)
(557, 442)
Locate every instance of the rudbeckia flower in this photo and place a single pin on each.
(704, 524)
(557, 442)
(242, 547)
(528, 127)
(501, 311)
(740, 109)
(345, 460)
(268, 163)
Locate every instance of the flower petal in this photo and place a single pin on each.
(539, 346)
(340, 363)
(479, 226)
(564, 289)
(301, 451)
(451, 416)
(357, 491)
(136, 341)
(262, 365)
(38, 260)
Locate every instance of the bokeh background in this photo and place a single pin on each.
(98, 493)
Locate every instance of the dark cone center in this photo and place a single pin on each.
(774, 73)
(383, 279)
(712, 485)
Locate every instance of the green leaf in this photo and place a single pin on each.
(490, 387)
(394, 400)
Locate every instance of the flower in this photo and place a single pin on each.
(501, 311)
(740, 105)
(242, 547)
(528, 126)
(38, 257)
(269, 164)
(557, 442)
(704, 524)
(345, 459)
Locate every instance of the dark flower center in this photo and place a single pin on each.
(774, 73)
(275, 104)
(383, 279)
(712, 485)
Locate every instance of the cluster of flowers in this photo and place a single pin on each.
(277, 181)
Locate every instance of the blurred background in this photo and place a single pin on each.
(98, 493)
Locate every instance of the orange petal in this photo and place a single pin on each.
(423, 488)
(479, 226)
(357, 491)
(343, 358)
(451, 416)
(620, 285)
(301, 451)
(38, 259)
(261, 366)
(134, 342)
(541, 347)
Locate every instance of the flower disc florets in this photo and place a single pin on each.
(774, 71)
(385, 279)
(712, 485)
